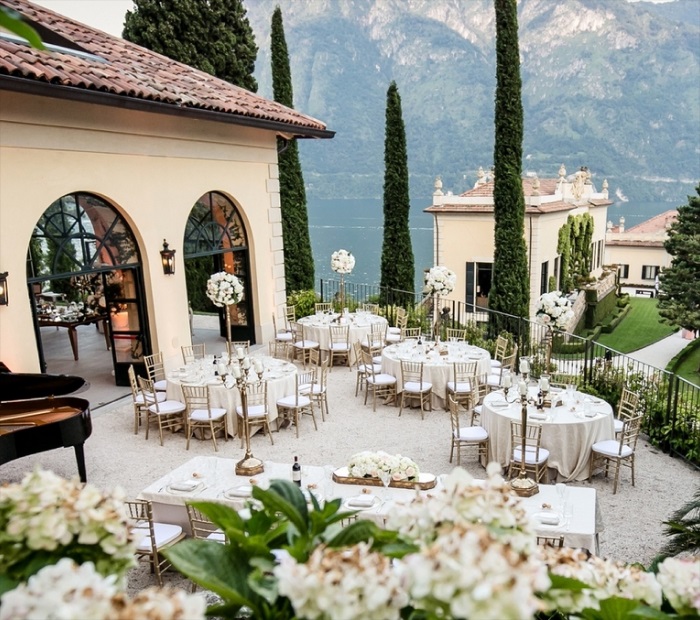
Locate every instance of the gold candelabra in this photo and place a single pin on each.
(239, 377)
(522, 485)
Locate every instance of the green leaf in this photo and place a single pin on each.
(357, 531)
(614, 608)
(285, 497)
(567, 583)
(12, 21)
(7, 584)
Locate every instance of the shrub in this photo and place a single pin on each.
(304, 301)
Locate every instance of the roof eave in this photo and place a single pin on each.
(45, 89)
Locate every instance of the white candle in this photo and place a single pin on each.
(237, 372)
(524, 366)
(246, 363)
(506, 381)
(239, 353)
(545, 384)
(523, 388)
(221, 368)
(258, 367)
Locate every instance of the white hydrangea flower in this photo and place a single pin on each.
(224, 289)
(342, 261)
(680, 581)
(343, 584)
(554, 309)
(439, 281)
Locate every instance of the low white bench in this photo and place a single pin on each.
(643, 292)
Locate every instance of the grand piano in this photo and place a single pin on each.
(33, 419)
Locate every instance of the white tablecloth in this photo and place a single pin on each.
(566, 432)
(280, 377)
(316, 328)
(437, 368)
(217, 479)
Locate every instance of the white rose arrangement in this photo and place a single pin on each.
(554, 309)
(439, 281)
(224, 289)
(367, 465)
(342, 261)
(45, 518)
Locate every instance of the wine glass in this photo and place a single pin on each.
(560, 488)
(385, 477)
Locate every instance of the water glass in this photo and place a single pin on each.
(568, 515)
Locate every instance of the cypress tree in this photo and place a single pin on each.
(510, 291)
(397, 267)
(298, 256)
(213, 36)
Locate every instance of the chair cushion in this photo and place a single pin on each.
(377, 359)
(472, 433)
(339, 346)
(202, 415)
(414, 386)
(393, 330)
(160, 397)
(317, 389)
(254, 411)
(160, 385)
(393, 337)
(495, 363)
(164, 534)
(381, 379)
(611, 447)
(530, 455)
(619, 425)
(306, 344)
(478, 409)
(167, 407)
(494, 380)
(217, 536)
(463, 387)
(291, 401)
(305, 388)
(283, 337)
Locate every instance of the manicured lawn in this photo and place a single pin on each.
(641, 327)
(689, 367)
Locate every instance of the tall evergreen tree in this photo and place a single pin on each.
(679, 297)
(298, 256)
(510, 290)
(397, 266)
(212, 35)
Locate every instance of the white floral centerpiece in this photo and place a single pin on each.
(439, 281)
(45, 518)
(342, 262)
(67, 590)
(224, 289)
(367, 465)
(554, 309)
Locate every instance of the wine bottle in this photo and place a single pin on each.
(296, 472)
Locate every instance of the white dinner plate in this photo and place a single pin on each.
(499, 404)
(548, 518)
(242, 491)
(347, 504)
(184, 487)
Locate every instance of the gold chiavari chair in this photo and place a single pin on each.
(618, 452)
(378, 383)
(467, 437)
(413, 387)
(455, 335)
(323, 307)
(258, 411)
(193, 352)
(536, 456)
(201, 415)
(169, 413)
(339, 344)
(156, 371)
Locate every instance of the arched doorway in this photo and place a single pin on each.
(84, 267)
(216, 240)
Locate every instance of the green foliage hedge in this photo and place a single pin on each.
(598, 309)
(609, 327)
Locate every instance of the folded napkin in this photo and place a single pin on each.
(548, 518)
(243, 491)
(184, 485)
(591, 414)
(537, 416)
(361, 501)
(499, 404)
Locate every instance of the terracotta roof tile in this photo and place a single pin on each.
(548, 187)
(657, 224)
(125, 69)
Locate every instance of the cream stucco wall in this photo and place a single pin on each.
(636, 257)
(152, 168)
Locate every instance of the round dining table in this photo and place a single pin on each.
(279, 375)
(569, 428)
(438, 360)
(316, 328)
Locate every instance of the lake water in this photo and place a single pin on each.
(357, 226)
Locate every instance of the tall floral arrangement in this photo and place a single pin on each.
(439, 281)
(342, 262)
(554, 309)
(224, 289)
(45, 518)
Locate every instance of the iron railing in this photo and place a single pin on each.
(671, 404)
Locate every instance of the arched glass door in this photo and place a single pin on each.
(83, 267)
(216, 240)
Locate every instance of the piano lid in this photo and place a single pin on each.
(28, 385)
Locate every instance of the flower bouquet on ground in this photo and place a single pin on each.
(554, 309)
(439, 281)
(224, 289)
(369, 464)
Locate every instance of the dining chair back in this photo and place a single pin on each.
(494, 381)
(202, 527)
(500, 350)
(618, 452)
(151, 537)
(371, 308)
(339, 344)
(201, 415)
(156, 371)
(551, 541)
(471, 436)
(244, 345)
(290, 316)
(323, 307)
(536, 456)
(413, 387)
(455, 335)
(410, 332)
(301, 344)
(627, 408)
(378, 383)
(318, 391)
(193, 352)
(168, 413)
(461, 386)
(137, 399)
(395, 334)
(376, 340)
(299, 404)
(258, 411)
(282, 342)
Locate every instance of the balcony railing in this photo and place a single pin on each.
(671, 404)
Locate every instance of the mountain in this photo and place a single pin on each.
(614, 86)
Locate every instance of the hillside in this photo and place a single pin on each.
(610, 85)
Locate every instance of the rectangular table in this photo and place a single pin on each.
(72, 326)
(217, 476)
